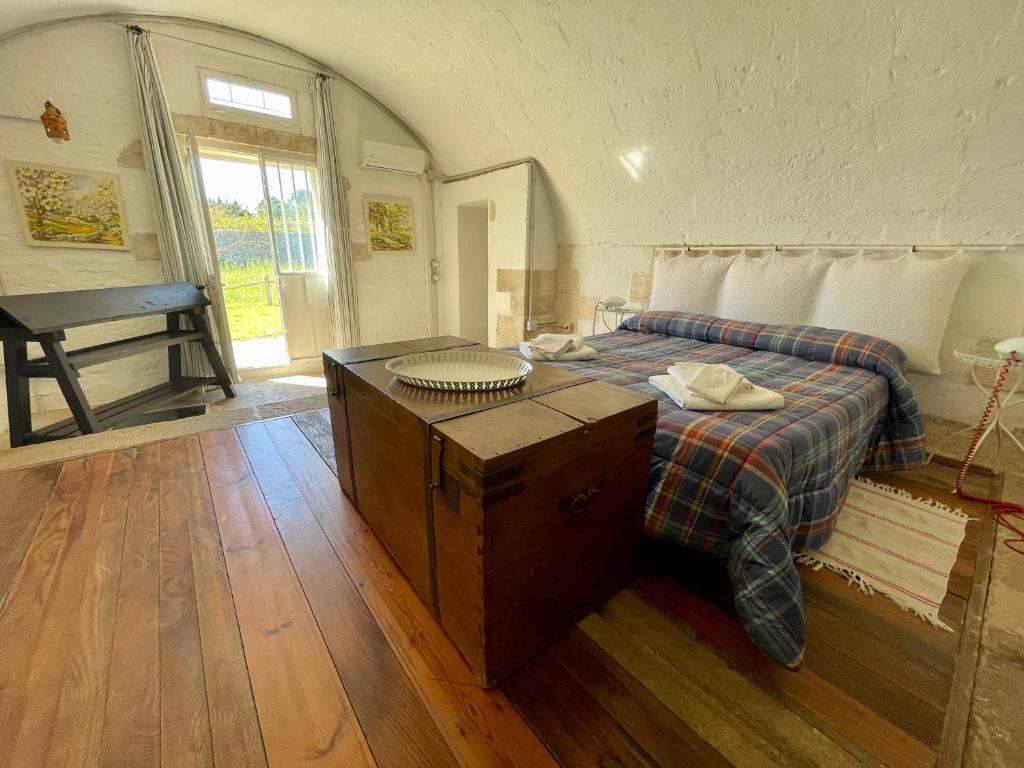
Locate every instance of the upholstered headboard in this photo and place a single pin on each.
(904, 298)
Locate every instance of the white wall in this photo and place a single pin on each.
(85, 73)
(473, 271)
(83, 68)
(542, 297)
(989, 307)
(506, 193)
(545, 235)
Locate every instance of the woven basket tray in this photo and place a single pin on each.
(460, 370)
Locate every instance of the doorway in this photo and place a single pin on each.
(473, 269)
(268, 240)
(486, 234)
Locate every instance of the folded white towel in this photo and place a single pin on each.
(555, 344)
(755, 399)
(685, 372)
(584, 352)
(713, 382)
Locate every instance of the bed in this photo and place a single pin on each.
(753, 488)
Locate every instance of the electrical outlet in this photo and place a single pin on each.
(531, 325)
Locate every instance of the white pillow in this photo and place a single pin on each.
(906, 300)
(773, 289)
(687, 283)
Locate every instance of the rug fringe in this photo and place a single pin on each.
(955, 513)
(853, 577)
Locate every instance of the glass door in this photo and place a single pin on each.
(298, 242)
(237, 206)
(264, 213)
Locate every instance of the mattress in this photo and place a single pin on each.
(753, 488)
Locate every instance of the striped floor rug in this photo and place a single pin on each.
(887, 541)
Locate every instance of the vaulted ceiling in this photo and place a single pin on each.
(699, 120)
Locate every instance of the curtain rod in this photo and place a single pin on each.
(220, 49)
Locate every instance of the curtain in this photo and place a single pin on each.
(342, 304)
(181, 230)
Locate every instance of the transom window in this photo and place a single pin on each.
(244, 95)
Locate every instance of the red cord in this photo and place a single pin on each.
(1005, 511)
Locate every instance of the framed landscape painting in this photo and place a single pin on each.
(68, 208)
(389, 224)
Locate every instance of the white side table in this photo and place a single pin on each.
(1008, 398)
(617, 313)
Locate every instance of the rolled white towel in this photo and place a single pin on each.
(584, 352)
(755, 399)
(710, 381)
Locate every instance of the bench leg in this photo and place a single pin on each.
(67, 378)
(174, 352)
(19, 403)
(198, 320)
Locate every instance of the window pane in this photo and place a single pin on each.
(218, 89)
(234, 190)
(249, 98)
(285, 262)
(295, 216)
(278, 103)
(308, 232)
(315, 221)
(242, 94)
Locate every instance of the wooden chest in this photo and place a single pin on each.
(512, 513)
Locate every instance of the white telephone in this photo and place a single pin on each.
(1007, 346)
(612, 302)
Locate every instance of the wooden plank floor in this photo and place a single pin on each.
(215, 600)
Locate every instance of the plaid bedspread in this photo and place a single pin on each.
(750, 487)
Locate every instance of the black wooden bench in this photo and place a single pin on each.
(44, 317)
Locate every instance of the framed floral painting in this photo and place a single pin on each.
(68, 208)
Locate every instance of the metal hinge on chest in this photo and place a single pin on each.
(440, 481)
(436, 449)
(331, 375)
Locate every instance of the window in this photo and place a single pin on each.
(229, 92)
(291, 188)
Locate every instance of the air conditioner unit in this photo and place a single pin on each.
(389, 157)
